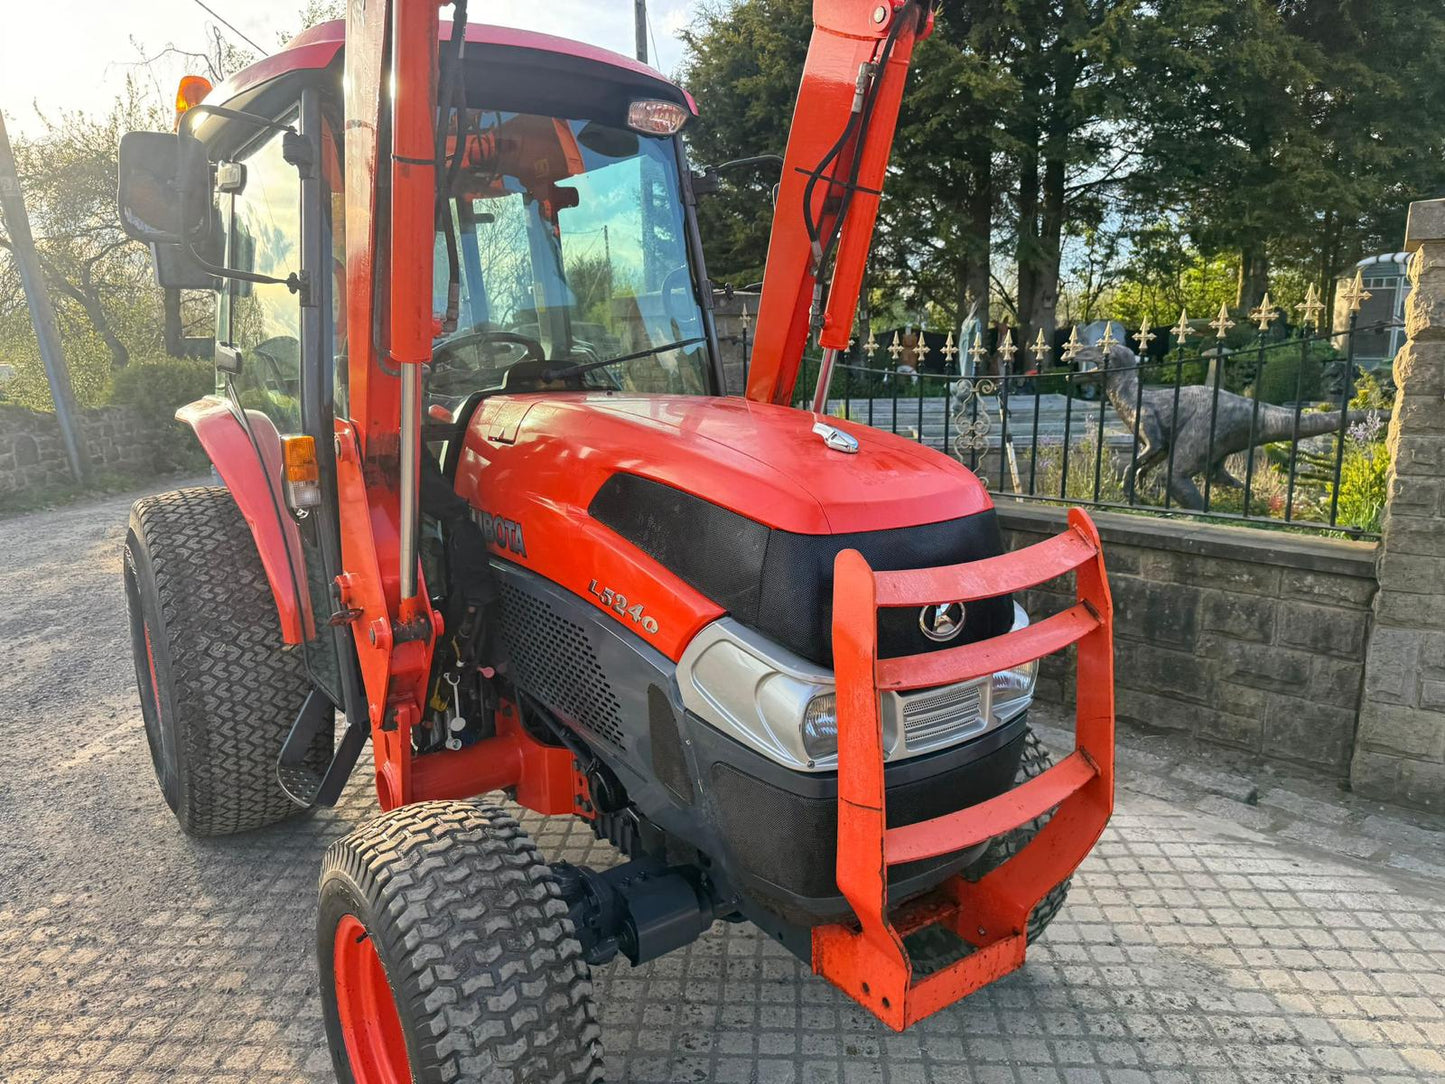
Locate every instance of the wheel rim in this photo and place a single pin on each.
(370, 1025)
(160, 740)
(162, 754)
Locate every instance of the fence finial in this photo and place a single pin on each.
(1073, 346)
(895, 348)
(1108, 342)
(922, 350)
(1041, 349)
(871, 346)
(1182, 330)
(949, 350)
(1265, 314)
(1311, 307)
(1355, 294)
(1006, 347)
(1145, 336)
(1222, 323)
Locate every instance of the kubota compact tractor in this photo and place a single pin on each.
(482, 494)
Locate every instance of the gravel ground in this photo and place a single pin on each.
(1226, 929)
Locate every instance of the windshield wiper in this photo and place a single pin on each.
(563, 372)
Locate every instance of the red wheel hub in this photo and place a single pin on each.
(151, 662)
(370, 1024)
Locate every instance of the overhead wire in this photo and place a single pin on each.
(229, 26)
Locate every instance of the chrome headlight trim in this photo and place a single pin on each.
(757, 693)
(753, 691)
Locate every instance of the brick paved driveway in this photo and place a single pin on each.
(1194, 947)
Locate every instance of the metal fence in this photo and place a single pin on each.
(1190, 431)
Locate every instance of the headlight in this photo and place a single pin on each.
(820, 727)
(771, 700)
(1013, 690)
(786, 708)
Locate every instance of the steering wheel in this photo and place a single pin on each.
(270, 354)
(679, 278)
(452, 372)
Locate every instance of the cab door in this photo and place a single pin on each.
(275, 352)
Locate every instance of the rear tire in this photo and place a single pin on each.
(1035, 761)
(446, 953)
(219, 689)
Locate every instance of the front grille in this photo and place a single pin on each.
(555, 663)
(944, 716)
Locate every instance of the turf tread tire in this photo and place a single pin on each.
(483, 962)
(1034, 761)
(229, 686)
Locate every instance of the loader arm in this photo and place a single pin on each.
(833, 171)
(390, 200)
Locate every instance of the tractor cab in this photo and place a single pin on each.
(565, 258)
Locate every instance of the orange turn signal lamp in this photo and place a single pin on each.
(191, 91)
(302, 475)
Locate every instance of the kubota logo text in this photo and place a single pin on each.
(505, 534)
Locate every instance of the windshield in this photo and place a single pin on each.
(570, 251)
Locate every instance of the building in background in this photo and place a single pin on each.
(1381, 329)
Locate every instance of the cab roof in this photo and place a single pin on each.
(320, 45)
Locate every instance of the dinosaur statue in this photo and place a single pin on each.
(1158, 428)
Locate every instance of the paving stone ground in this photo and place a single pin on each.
(1233, 925)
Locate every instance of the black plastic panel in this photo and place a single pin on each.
(781, 584)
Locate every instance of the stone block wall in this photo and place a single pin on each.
(1401, 749)
(1247, 638)
(32, 454)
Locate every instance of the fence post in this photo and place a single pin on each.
(1400, 746)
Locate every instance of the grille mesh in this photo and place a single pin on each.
(943, 715)
(555, 662)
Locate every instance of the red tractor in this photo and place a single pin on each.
(482, 496)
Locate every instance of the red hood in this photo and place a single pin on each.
(759, 460)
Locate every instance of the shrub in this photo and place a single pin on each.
(154, 388)
(1373, 393)
(1286, 376)
(1364, 476)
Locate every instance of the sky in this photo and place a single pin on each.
(80, 60)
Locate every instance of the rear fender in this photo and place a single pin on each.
(253, 475)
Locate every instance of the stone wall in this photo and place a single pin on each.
(1248, 638)
(32, 454)
(1401, 749)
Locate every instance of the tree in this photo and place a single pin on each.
(743, 65)
(99, 278)
(1293, 130)
(948, 181)
(1003, 130)
(107, 305)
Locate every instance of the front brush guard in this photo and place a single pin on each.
(867, 958)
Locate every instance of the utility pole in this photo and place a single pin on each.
(639, 26)
(42, 313)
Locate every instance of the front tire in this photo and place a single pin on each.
(446, 954)
(1034, 761)
(219, 689)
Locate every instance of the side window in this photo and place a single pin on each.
(333, 198)
(264, 321)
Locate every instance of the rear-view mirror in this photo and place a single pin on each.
(163, 194)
